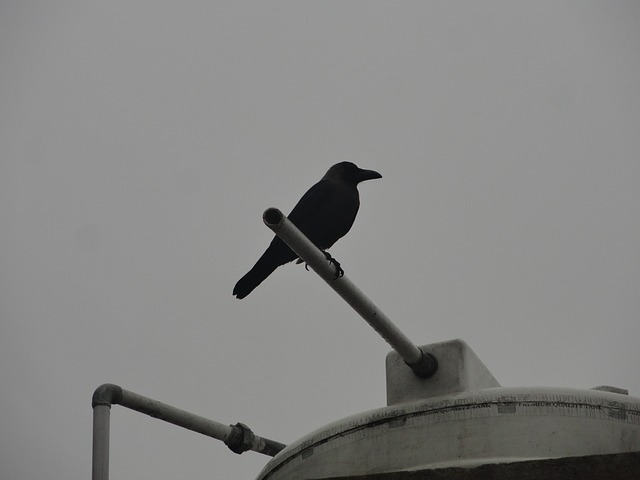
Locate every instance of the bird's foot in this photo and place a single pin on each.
(335, 263)
(306, 265)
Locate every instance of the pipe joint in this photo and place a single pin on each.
(241, 438)
(425, 367)
(106, 394)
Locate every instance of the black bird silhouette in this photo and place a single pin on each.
(324, 214)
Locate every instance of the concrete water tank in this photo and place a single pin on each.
(462, 417)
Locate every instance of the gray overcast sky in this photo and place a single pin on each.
(141, 142)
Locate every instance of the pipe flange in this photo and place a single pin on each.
(241, 438)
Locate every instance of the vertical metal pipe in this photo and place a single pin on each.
(100, 451)
(423, 364)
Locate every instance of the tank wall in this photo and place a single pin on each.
(496, 425)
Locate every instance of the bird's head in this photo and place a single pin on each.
(350, 173)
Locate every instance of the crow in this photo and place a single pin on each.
(324, 214)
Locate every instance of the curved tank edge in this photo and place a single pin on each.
(499, 395)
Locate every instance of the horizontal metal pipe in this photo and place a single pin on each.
(239, 438)
(174, 415)
(423, 364)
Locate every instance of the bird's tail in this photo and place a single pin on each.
(261, 270)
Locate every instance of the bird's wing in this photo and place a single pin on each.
(311, 203)
(326, 212)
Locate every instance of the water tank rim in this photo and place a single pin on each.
(500, 397)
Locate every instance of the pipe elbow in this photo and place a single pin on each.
(106, 394)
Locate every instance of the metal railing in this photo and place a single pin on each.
(423, 364)
(239, 438)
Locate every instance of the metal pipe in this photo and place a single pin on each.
(174, 415)
(423, 364)
(239, 438)
(100, 453)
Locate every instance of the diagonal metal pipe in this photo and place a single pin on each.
(239, 438)
(423, 364)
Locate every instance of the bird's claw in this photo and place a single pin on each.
(339, 270)
(332, 261)
(336, 264)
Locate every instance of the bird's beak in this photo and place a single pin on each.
(367, 175)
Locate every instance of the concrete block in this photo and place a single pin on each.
(459, 370)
